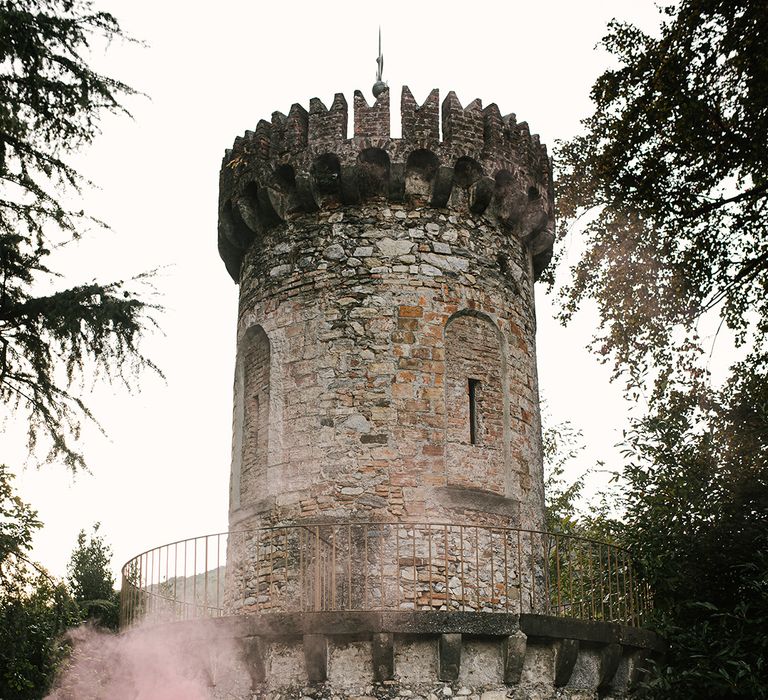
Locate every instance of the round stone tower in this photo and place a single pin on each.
(386, 510)
(386, 364)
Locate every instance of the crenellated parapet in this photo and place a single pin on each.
(469, 159)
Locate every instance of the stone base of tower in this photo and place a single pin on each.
(417, 655)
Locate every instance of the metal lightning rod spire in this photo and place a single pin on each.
(379, 86)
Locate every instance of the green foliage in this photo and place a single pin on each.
(696, 500)
(52, 335)
(35, 610)
(91, 581)
(18, 523)
(670, 184)
(566, 508)
(561, 444)
(50, 104)
(32, 646)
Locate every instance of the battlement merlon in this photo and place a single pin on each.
(303, 161)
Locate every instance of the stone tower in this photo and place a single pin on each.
(386, 503)
(386, 364)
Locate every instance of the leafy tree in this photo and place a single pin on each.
(669, 183)
(696, 499)
(52, 334)
(35, 610)
(561, 444)
(51, 102)
(568, 510)
(91, 581)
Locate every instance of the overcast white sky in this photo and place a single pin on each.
(212, 70)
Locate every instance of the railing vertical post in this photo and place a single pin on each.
(461, 549)
(381, 566)
(302, 581)
(205, 581)
(413, 561)
(429, 540)
(447, 589)
(618, 588)
(365, 566)
(350, 602)
(477, 567)
(569, 549)
(151, 580)
(271, 568)
(520, 572)
(506, 571)
(545, 568)
(491, 597)
(194, 577)
(547, 564)
(186, 602)
(175, 574)
(333, 567)
(398, 588)
(610, 582)
(317, 568)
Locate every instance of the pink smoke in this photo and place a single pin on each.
(181, 661)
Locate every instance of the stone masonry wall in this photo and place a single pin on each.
(379, 279)
(356, 304)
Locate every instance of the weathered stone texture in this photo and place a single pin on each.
(273, 656)
(386, 354)
(372, 357)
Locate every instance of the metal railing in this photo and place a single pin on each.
(384, 566)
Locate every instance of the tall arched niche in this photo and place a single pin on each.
(252, 405)
(477, 405)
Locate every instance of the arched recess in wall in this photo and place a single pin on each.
(420, 172)
(476, 403)
(373, 173)
(255, 356)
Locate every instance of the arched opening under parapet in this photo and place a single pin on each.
(248, 207)
(476, 403)
(373, 173)
(282, 193)
(233, 227)
(284, 179)
(254, 359)
(326, 175)
(509, 199)
(420, 171)
(466, 172)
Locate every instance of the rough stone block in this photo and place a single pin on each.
(254, 655)
(513, 654)
(449, 657)
(566, 653)
(383, 656)
(316, 657)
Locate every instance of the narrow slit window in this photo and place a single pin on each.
(473, 385)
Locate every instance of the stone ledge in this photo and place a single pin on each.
(280, 625)
(504, 655)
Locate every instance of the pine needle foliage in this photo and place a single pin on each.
(51, 103)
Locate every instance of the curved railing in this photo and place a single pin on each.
(384, 566)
